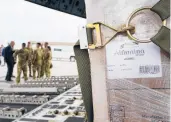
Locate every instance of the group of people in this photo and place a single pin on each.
(38, 61)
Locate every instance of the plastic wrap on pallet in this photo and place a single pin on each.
(120, 95)
(141, 99)
(132, 101)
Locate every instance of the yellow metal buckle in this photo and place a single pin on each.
(98, 42)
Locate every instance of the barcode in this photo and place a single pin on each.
(149, 69)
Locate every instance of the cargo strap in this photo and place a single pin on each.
(162, 8)
(83, 66)
(162, 39)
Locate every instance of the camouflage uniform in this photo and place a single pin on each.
(44, 50)
(15, 56)
(30, 60)
(37, 62)
(23, 56)
(47, 63)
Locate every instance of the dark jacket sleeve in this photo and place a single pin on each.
(6, 54)
(9, 55)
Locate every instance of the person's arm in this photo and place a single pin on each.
(31, 52)
(14, 59)
(7, 54)
(50, 55)
(15, 54)
(34, 56)
(46, 56)
(27, 56)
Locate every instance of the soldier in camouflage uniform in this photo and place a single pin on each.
(44, 50)
(47, 61)
(37, 61)
(23, 56)
(30, 58)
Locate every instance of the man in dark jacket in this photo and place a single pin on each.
(9, 59)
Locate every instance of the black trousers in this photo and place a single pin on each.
(10, 67)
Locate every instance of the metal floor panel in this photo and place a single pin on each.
(6, 86)
(6, 120)
(27, 106)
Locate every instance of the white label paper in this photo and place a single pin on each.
(126, 59)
